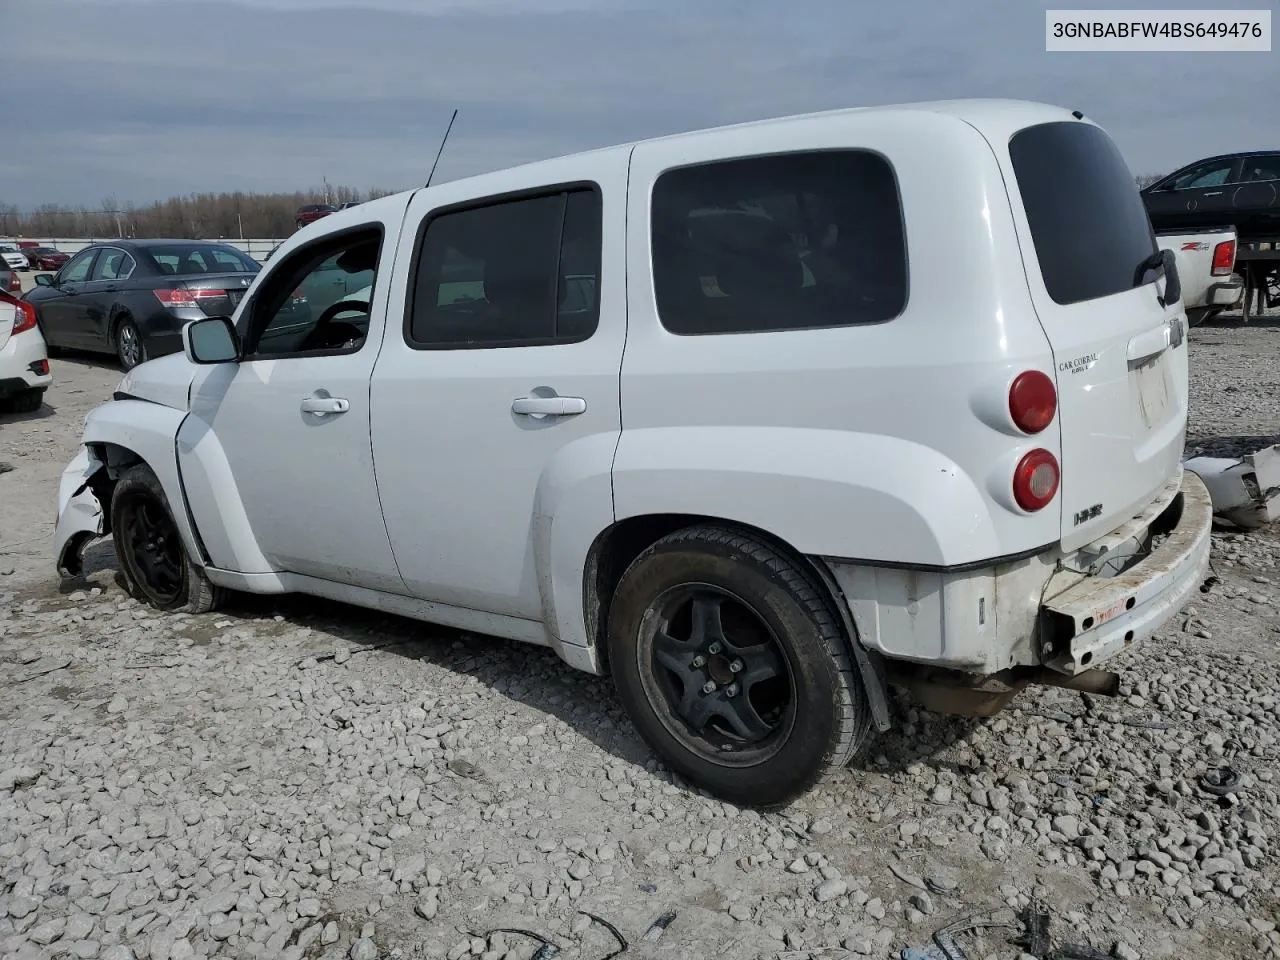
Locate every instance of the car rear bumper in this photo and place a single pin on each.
(1097, 617)
(1225, 294)
(22, 359)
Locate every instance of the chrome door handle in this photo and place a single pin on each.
(549, 406)
(324, 405)
(1216, 193)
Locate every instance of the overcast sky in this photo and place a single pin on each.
(143, 99)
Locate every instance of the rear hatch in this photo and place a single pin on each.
(1120, 355)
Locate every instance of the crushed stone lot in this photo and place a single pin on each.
(290, 778)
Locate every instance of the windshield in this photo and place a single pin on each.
(201, 258)
(1088, 222)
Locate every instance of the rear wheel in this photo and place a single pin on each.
(731, 665)
(130, 350)
(153, 560)
(28, 401)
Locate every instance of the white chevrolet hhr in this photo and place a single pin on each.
(756, 419)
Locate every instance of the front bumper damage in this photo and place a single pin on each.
(81, 518)
(1245, 490)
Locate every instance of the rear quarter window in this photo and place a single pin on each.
(1088, 222)
(795, 241)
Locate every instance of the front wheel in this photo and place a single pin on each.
(153, 560)
(130, 350)
(730, 663)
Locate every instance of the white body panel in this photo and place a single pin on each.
(300, 485)
(18, 351)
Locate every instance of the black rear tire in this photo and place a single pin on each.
(153, 559)
(755, 740)
(131, 349)
(28, 401)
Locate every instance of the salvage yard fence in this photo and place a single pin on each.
(258, 248)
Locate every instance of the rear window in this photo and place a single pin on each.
(1088, 222)
(785, 242)
(197, 259)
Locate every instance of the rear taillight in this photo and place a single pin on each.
(15, 283)
(174, 297)
(1035, 480)
(1033, 400)
(25, 319)
(1224, 258)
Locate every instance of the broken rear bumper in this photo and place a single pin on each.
(80, 515)
(1094, 618)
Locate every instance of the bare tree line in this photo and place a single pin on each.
(201, 216)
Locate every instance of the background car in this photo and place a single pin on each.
(24, 359)
(132, 297)
(312, 212)
(46, 258)
(10, 282)
(1239, 189)
(13, 258)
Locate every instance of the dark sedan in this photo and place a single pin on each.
(1237, 189)
(133, 297)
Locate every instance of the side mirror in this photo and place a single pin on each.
(212, 340)
(44, 279)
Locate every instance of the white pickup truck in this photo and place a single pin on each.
(1206, 267)
(753, 419)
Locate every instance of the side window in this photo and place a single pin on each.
(1212, 174)
(113, 264)
(520, 272)
(1261, 168)
(77, 268)
(785, 242)
(317, 301)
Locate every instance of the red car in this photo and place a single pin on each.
(312, 212)
(46, 258)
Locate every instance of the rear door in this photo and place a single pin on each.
(1121, 355)
(112, 268)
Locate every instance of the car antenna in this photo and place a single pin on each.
(443, 140)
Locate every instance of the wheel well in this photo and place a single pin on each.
(616, 548)
(117, 460)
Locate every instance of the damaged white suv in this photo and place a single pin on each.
(756, 419)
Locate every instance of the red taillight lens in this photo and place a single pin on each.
(15, 283)
(174, 298)
(1033, 400)
(1035, 480)
(26, 318)
(1224, 258)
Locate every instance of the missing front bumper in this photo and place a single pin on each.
(80, 518)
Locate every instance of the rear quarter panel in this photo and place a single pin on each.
(884, 442)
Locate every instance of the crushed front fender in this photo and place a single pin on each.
(80, 514)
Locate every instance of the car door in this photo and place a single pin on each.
(61, 308)
(503, 384)
(277, 443)
(1257, 196)
(96, 297)
(1197, 196)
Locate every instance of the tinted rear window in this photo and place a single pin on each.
(785, 242)
(1088, 222)
(201, 258)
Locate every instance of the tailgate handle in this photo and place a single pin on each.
(1149, 344)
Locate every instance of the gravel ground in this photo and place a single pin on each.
(290, 778)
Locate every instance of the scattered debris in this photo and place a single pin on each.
(1245, 490)
(623, 946)
(315, 658)
(465, 769)
(6, 466)
(1220, 781)
(647, 888)
(16, 777)
(545, 951)
(658, 926)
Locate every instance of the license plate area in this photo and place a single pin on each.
(1151, 388)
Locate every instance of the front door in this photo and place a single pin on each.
(62, 309)
(502, 389)
(290, 421)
